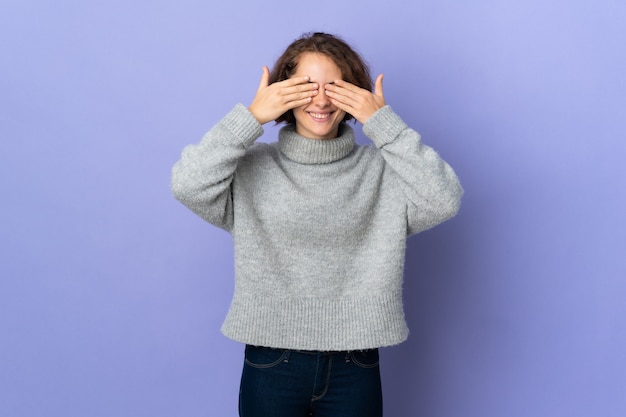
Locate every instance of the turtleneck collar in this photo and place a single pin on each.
(315, 151)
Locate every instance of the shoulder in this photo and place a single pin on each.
(260, 153)
(365, 153)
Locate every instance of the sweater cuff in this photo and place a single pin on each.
(384, 126)
(243, 125)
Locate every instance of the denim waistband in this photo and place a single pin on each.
(315, 352)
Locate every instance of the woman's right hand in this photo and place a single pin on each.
(273, 100)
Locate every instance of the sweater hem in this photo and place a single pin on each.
(317, 323)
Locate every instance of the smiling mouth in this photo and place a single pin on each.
(320, 116)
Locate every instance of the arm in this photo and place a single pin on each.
(202, 178)
(432, 189)
(430, 185)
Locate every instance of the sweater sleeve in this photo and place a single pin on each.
(431, 187)
(202, 178)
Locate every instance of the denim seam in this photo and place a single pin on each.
(328, 372)
(363, 365)
(268, 365)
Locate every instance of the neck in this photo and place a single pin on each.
(315, 151)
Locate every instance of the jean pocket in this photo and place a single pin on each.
(264, 357)
(365, 358)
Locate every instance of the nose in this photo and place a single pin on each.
(321, 99)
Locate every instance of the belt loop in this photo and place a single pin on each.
(347, 358)
(287, 354)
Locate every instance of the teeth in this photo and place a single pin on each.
(320, 115)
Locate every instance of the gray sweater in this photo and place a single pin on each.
(319, 226)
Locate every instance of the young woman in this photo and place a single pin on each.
(319, 226)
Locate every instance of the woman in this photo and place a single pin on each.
(319, 226)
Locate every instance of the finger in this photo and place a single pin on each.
(299, 95)
(290, 82)
(298, 92)
(345, 95)
(341, 105)
(346, 85)
(265, 78)
(342, 98)
(302, 86)
(299, 102)
(347, 90)
(378, 87)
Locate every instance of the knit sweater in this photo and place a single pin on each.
(319, 226)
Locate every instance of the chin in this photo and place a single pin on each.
(312, 126)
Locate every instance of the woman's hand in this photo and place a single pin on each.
(273, 100)
(357, 101)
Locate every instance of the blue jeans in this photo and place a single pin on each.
(288, 383)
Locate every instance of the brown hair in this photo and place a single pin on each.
(353, 68)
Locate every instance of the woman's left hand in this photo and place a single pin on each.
(357, 101)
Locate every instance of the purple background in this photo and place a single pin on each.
(112, 293)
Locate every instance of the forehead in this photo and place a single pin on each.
(317, 65)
